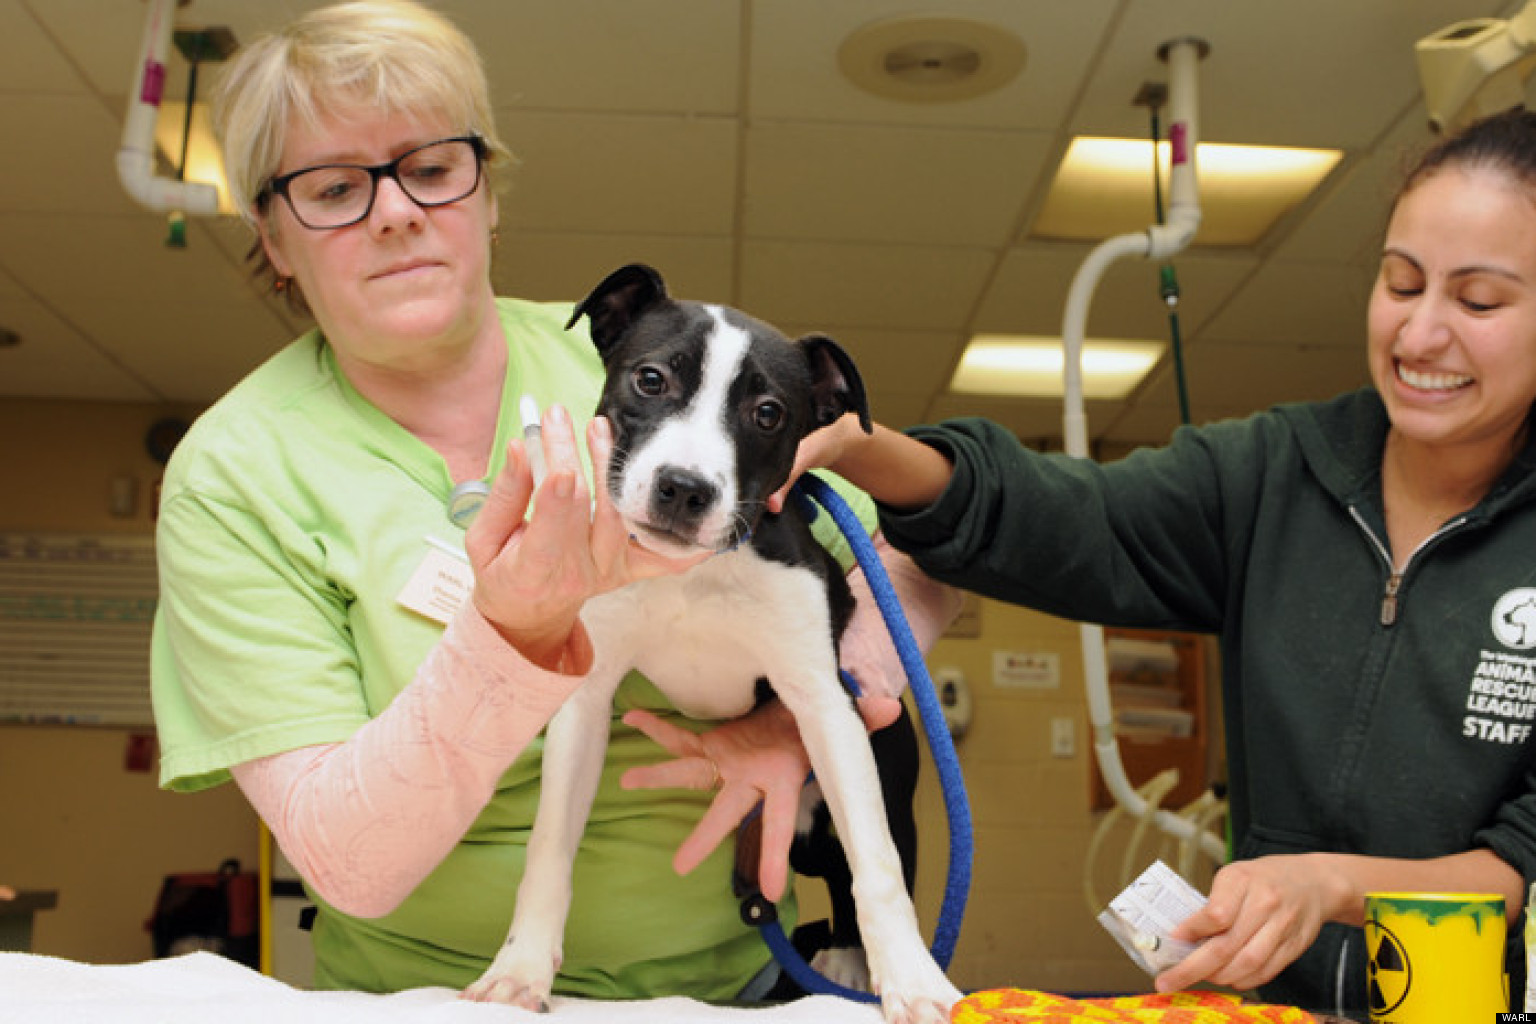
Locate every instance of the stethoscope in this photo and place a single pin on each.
(464, 502)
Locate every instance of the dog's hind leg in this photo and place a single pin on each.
(575, 743)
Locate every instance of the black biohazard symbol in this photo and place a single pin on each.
(1391, 975)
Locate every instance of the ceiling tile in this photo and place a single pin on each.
(888, 184)
(56, 360)
(795, 72)
(1314, 304)
(1230, 380)
(1348, 221)
(861, 285)
(75, 170)
(895, 362)
(620, 174)
(900, 411)
(34, 66)
(565, 267)
(75, 261)
(612, 55)
(191, 351)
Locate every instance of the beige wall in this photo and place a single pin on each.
(75, 821)
(1028, 923)
(72, 819)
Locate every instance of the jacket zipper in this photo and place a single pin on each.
(1391, 598)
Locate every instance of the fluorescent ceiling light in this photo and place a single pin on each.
(1031, 367)
(204, 162)
(1104, 188)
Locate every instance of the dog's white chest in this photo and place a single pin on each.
(706, 636)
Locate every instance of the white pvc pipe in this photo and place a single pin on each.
(1159, 242)
(136, 155)
(1183, 216)
(1075, 326)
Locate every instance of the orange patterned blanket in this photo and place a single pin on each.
(1017, 1006)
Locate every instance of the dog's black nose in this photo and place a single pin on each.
(681, 498)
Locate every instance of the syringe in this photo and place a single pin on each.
(533, 437)
(466, 498)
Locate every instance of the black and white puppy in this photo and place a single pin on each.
(708, 407)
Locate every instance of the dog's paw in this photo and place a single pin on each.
(919, 995)
(930, 1005)
(519, 976)
(845, 966)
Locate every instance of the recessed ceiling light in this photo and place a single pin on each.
(1031, 366)
(930, 59)
(1104, 188)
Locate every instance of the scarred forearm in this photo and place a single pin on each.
(364, 821)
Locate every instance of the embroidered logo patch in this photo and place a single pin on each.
(1514, 619)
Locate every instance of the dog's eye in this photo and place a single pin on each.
(769, 416)
(650, 382)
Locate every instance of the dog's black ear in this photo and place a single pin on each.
(836, 386)
(614, 304)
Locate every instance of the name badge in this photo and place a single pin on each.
(441, 583)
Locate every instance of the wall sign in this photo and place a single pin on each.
(75, 617)
(1024, 670)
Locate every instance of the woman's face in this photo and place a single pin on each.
(405, 288)
(1452, 321)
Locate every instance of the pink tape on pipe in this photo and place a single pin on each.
(154, 83)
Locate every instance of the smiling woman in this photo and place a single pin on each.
(1453, 342)
(1365, 561)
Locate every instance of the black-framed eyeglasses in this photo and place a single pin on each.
(340, 195)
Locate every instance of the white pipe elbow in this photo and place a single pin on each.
(136, 172)
(1176, 233)
(1107, 748)
(136, 154)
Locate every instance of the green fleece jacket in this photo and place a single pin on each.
(1366, 712)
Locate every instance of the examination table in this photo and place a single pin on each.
(202, 988)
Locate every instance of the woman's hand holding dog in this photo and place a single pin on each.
(758, 757)
(533, 573)
(755, 758)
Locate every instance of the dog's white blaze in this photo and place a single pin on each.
(699, 440)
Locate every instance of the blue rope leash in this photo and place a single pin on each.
(759, 911)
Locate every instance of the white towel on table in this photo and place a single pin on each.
(203, 988)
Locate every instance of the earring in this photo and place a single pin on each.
(280, 285)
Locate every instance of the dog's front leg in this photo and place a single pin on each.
(912, 988)
(523, 970)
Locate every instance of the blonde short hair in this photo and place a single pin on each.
(381, 56)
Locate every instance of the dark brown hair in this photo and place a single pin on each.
(1502, 142)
